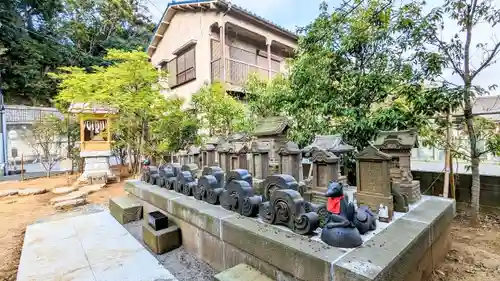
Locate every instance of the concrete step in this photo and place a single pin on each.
(241, 272)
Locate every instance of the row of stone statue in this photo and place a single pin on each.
(279, 201)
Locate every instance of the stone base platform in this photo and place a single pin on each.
(125, 209)
(408, 248)
(241, 272)
(161, 241)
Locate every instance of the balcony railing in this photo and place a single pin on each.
(238, 72)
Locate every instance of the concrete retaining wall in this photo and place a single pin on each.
(408, 249)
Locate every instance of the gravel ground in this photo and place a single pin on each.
(183, 265)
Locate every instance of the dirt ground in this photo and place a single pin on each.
(474, 254)
(17, 212)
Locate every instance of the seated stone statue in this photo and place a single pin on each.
(338, 203)
(339, 230)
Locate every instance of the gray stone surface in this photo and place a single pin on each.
(241, 272)
(90, 247)
(9, 192)
(125, 209)
(31, 191)
(70, 203)
(388, 253)
(70, 196)
(63, 190)
(182, 264)
(89, 189)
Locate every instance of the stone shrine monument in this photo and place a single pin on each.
(274, 131)
(331, 143)
(398, 144)
(194, 155)
(325, 169)
(373, 180)
(259, 162)
(233, 156)
(95, 140)
(290, 160)
(209, 151)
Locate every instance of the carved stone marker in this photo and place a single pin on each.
(373, 179)
(194, 155)
(183, 157)
(331, 143)
(398, 144)
(325, 169)
(259, 167)
(290, 160)
(208, 153)
(272, 130)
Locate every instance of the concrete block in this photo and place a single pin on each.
(438, 212)
(31, 191)
(198, 213)
(70, 203)
(388, 256)
(306, 259)
(241, 272)
(70, 196)
(125, 209)
(161, 241)
(234, 256)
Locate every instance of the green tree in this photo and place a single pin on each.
(40, 36)
(130, 85)
(219, 112)
(351, 73)
(456, 54)
(45, 139)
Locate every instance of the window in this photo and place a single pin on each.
(181, 69)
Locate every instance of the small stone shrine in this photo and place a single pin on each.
(194, 155)
(209, 151)
(259, 163)
(398, 144)
(274, 131)
(290, 158)
(331, 143)
(325, 169)
(95, 137)
(183, 157)
(374, 181)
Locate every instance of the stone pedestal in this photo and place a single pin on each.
(411, 190)
(96, 164)
(161, 241)
(125, 209)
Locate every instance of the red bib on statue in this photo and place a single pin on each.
(333, 205)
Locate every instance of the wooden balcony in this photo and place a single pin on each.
(238, 72)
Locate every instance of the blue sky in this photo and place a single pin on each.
(293, 13)
(287, 13)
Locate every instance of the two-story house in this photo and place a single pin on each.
(202, 41)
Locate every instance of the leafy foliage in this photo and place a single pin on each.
(45, 140)
(146, 123)
(220, 113)
(351, 74)
(40, 36)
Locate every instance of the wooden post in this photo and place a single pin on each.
(269, 63)
(447, 155)
(22, 166)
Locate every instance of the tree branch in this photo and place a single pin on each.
(486, 63)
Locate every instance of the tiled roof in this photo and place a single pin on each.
(20, 114)
(221, 3)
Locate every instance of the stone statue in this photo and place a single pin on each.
(345, 225)
(406, 175)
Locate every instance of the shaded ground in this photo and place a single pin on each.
(474, 254)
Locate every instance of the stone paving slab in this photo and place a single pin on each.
(93, 247)
(32, 191)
